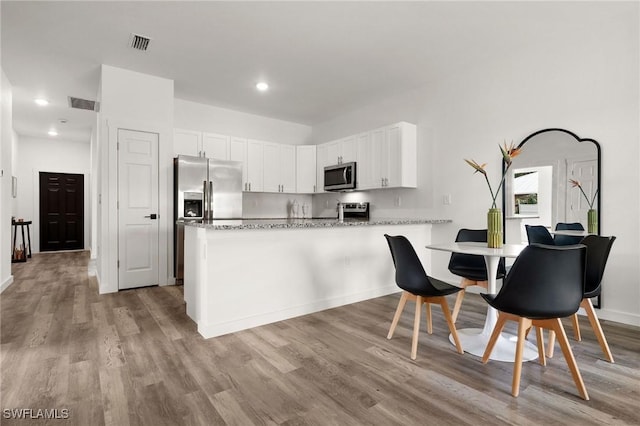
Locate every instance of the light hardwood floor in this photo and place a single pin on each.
(135, 358)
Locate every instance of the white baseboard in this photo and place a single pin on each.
(6, 283)
(208, 330)
(617, 316)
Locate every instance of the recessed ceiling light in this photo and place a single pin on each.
(52, 133)
(41, 101)
(262, 86)
(62, 121)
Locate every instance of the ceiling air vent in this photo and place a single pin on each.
(139, 42)
(83, 104)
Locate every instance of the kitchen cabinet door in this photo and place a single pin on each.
(333, 152)
(399, 156)
(348, 149)
(366, 176)
(187, 142)
(322, 160)
(306, 169)
(271, 167)
(215, 146)
(255, 165)
(288, 168)
(238, 152)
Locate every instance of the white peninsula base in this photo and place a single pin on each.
(241, 278)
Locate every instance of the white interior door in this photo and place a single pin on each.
(138, 253)
(586, 172)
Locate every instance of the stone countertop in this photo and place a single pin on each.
(229, 224)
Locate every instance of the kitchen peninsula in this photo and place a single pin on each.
(245, 273)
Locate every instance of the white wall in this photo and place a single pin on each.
(140, 102)
(206, 118)
(55, 156)
(6, 160)
(590, 88)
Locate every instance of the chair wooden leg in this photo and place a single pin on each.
(552, 343)
(523, 325)
(576, 327)
(457, 305)
(416, 327)
(597, 329)
(540, 340)
(556, 325)
(502, 320)
(396, 317)
(429, 323)
(450, 323)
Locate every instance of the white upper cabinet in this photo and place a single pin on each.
(279, 167)
(341, 151)
(398, 157)
(306, 172)
(348, 149)
(216, 146)
(288, 168)
(255, 166)
(386, 157)
(187, 142)
(322, 160)
(238, 152)
(366, 174)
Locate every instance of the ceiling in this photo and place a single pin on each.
(320, 58)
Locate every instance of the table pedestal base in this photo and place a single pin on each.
(474, 341)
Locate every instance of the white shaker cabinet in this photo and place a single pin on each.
(322, 160)
(216, 146)
(279, 168)
(238, 152)
(399, 159)
(306, 172)
(187, 142)
(255, 166)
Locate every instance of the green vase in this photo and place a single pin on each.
(494, 228)
(592, 221)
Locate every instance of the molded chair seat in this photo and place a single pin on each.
(565, 240)
(418, 286)
(538, 234)
(544, 285)
(598, 249)
(471, 268)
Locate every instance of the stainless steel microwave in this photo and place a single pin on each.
(341, 177)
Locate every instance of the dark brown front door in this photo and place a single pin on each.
(61, 211)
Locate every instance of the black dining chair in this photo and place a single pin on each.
(418, 286)
(470, 267)
(538, 234)
(565, 240)
(544, 285)
(598, 249)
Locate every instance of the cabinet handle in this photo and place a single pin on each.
(381, 181)
(314, 188)
(386, 181)
(249, 186)
(204, 153)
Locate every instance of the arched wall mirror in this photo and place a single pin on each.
(537, 190)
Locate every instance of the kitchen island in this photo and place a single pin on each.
(245, 273)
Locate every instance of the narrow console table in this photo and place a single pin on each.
(26, 244)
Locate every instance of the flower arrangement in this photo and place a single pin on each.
(508, 154)
(576, 183)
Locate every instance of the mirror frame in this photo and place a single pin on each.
(578, 139)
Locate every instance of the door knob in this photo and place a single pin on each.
(152, 216)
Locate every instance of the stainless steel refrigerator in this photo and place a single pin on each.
(204, 189)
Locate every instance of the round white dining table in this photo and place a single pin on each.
(474, 340)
